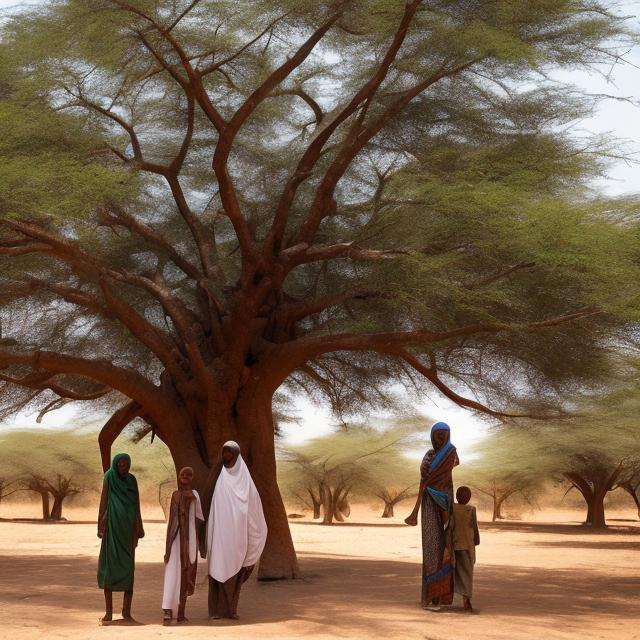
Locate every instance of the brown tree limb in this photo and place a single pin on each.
(323, 203)
(113, 428)
(329, 126)
(117, 215)
(498, 276)
(125, 380)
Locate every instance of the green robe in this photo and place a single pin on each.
(120, 526)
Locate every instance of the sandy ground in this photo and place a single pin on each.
(360, 580)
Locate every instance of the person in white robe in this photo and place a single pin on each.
(236, 533)
(181, 553)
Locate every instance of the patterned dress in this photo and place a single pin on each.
(438, 557)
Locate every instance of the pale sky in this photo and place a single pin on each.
(617, 118)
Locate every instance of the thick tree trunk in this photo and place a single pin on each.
(388, 510)
(46, 510)
(56, 509)
(594, 493)
(497, 508)
(337, 503)
(596, 509)
(316, 504)
(589, 519)
(246, 418)
(256, 437)
(328, 505)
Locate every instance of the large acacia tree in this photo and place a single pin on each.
(206, 200)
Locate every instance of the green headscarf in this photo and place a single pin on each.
(116, 562)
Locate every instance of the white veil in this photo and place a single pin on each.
(236, 529)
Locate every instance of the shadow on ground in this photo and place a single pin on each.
(333, 595)
(577, 529)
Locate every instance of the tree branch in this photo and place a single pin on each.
(329, 126)
(113, 428)
(122, 379)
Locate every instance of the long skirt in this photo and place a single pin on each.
(437, 569)
(463, 583)
(173, 578)
(224, 596)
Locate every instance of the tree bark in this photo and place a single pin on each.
(388, 510)
(498, 501)
(596, 509)
(328, 505)
(316, 503)
(56, 509)
(255, 429)
(38, 485)
(594, 493)
(46, 510)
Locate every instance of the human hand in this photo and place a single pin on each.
(412, 520)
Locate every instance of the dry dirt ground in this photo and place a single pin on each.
(547, 579)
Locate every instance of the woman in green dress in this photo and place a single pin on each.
(119, 527)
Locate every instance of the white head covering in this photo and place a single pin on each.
(236, 530)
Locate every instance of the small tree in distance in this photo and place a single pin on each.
(504, 466)
(362, 463)
(8, 486)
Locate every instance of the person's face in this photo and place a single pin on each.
(123, 466)
(229, 457)
(439, 438)
(185, 478)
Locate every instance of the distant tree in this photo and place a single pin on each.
(327, 472)
(504, 465)
(595, 451)
(57, 465)
(602, 446)
(8, 486)
(39, 485)
(61, 488)
(393, 479)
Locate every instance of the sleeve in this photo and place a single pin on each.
(199, 514)
(209, 486)
(139, 526)
(172, 525)
(201, 527)
(474, 523)
(102, 510)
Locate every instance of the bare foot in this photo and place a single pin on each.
(412, 521)
(106, 618)
(234, 616)
(182, 619)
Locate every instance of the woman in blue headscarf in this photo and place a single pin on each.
(119, 527)
(436, 498)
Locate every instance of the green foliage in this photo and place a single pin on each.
(75, 454)
(474, 194)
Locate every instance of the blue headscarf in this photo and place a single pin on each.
(446, 448)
